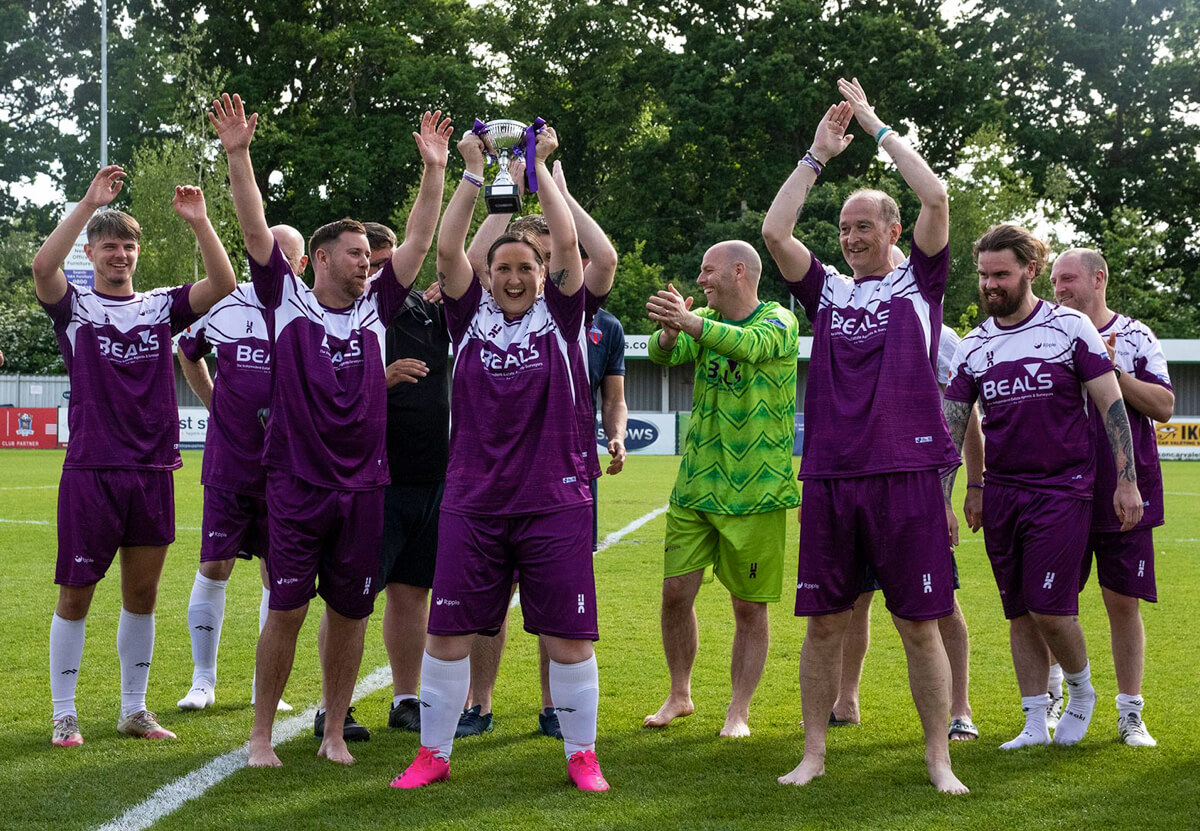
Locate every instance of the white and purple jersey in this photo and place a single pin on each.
(1029, 380)
(122, 411)
(514, 418)
(945, 357)
(872, 403)
(328, 389)
(237, 330)
(1140, 355)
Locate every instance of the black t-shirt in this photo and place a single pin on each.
(418, 415)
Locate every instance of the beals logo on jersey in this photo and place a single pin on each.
(859, 324)
(1033, 380)
(515, 357)
(144, 346)
(344, 353)
(247, 355)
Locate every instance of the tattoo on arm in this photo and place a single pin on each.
(1120, 436)
(957, 414)
(558, 277)
(803, 199)
(441, 278)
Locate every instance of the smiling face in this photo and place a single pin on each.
(718, 279)
(115, 260)
(866, 236)
(517, 277)
(345, 262)
(1004, 283)
(1075, 286)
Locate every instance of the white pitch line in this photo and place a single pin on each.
(27, 487)
(172, 795)
(26, 521)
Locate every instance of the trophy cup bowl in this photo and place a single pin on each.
(503, 134)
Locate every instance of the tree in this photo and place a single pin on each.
(635, 282)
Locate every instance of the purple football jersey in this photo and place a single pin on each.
(872, 403)
(1140, 355)
(328, 387)
(514, 409)
(233, 447)
(1028, 379)
(122, 412)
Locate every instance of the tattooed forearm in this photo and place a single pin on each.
(957, 414)
(803, 199)
(1120, 437)
(558, 277)
(948, 485)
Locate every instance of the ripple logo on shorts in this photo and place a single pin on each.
(1048, 583)
(81, 559)
(221, 534)
(287, 581)
(808, 586)
(445, 601)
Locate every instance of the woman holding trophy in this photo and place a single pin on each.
(517, 491)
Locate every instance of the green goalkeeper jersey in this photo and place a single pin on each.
(737, 456)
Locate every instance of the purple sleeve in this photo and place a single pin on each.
(182, 315)
(961, 386)
(193, 344)
(566, 310)
(808, 290)
(460, 311)
(931, 273)
(388, 293)
(268, 279)
(1090, 355)
(60, 312)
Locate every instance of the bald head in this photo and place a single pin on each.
(1090, 260)
(734, 251)
(291, 243)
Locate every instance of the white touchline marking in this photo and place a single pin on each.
(171, 796)
(1179, 493)
(27, 487)
(610, 540)
(26, 521)
(189, 786)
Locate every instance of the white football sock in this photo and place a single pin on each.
(135, 648)
(206, 612)
(66, 653)
(1127, 704)
(1080, 704)
(1035, 732)
(575, 690)
(444, 687)
(1054, 686)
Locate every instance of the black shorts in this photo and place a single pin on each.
(410, 534)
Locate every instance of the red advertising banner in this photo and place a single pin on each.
(28, 427)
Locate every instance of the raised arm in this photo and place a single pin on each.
(433, 142)
(670, 310)
(602, 256)
(493, 226)
(197, 377)
(49, 281)
(791, 255)
(1127, 500)
(219, 279)
(228, 116)
(453, 268)
(567, 269)
(932, 229)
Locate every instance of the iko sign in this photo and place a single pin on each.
(1179, 439)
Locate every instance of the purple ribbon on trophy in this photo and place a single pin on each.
(522, 148)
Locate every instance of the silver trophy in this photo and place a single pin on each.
(502, 196)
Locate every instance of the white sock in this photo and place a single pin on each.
(396, 699)
(1127, 704)
(575, 689)
(66, 653)
(263, 609)
(1054, 687)
(135, 648)
(444, 687)
(1035, 732)
(206, 612)
(1080, 704)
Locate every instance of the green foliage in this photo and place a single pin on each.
(635, 282)
(27, 341)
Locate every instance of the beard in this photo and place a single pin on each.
(1001, 303)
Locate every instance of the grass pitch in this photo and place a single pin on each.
(681, 777)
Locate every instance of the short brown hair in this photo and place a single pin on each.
(886, 206)
(1025, 246)
(527, 239)
(530, 224)
(379, 236)
(328, 233)
(113, 223)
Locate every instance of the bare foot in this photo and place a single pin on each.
(671, 709)
(737, 726)
(335, 751)
(944, 780)
(262, 755)
(805, 772)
